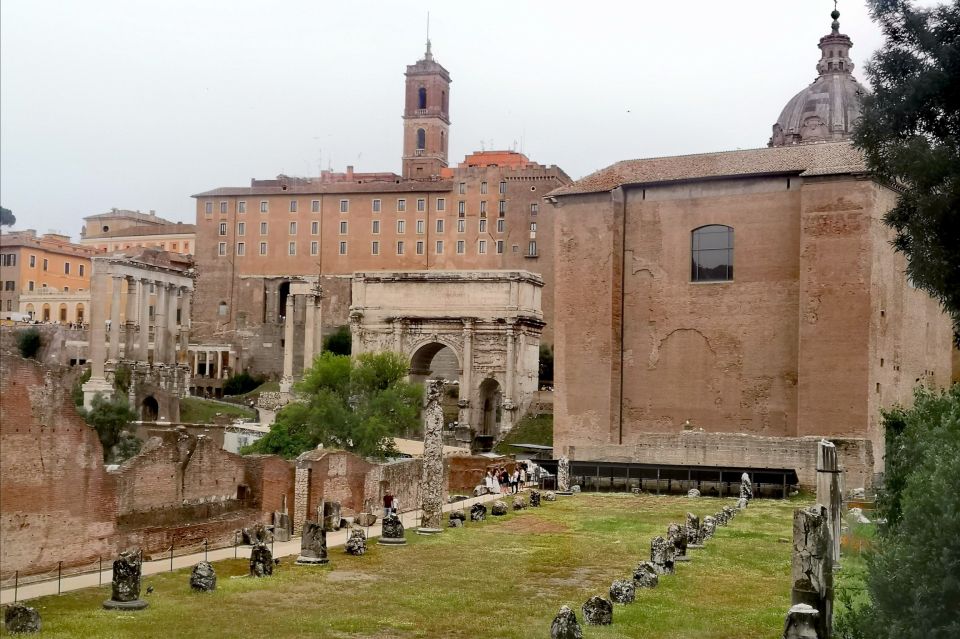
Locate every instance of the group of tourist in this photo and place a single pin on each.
(500, 480)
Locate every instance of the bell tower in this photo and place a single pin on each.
(426, 118)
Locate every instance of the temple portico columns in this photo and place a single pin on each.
(309, 331)
(159, 323)
(130, 321)
(170, 354)
(117, 284)
(184, 325)
(196, 363)
(286, 383)
(143, 320)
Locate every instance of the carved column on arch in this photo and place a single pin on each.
(466, 375)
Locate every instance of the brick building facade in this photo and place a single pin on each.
(484, 213)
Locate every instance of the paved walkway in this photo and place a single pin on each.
(35, 589)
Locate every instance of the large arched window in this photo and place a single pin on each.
(422, 98)
(711, 252)
(421, 139)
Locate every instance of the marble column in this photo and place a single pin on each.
(117, 284)
(511, 363)
(309, 331)
(196, 362)
(170, 356)
(160, 323)
(185, 299)
(130, 321)
(318, 324)
(287, 381)
(209, 359)
(99, 283)
(143, 320)
(466, 375)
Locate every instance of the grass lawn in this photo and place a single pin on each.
(529, 430)
(503, 578)
(195, 410)
(272, 386)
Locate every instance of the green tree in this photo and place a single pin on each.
(339, 342)
(914, 574)
(110, 418)
(7, 218)
(546, 365)
(910, 134)
(357, 404)
(241, 383)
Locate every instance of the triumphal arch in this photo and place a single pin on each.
(486, 323)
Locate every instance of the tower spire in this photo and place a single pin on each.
(835, 26)
(428, 55)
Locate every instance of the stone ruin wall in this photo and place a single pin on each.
(696, 448)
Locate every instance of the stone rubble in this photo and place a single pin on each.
(802, 622)
(365, 519)
(746, 487)
(261, 560)
(708, 528)
(21, 619)
(565, 625)
(519, 503)
(499, 508)
(597, 611)
(694, 532)
(661, 555)
(812, 564)
(645, 575)
(549, 496)
(575, 489)
(455, 523)
(357, 542)
(313, 545)
(623, 591)
(534, 499)
(478, 512)
(563, 474)
(677, 537)
(203, 578)
(693, 493)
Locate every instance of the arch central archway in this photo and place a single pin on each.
(434, 360)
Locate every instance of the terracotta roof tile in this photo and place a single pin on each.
(807, 159)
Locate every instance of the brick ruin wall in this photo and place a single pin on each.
(698, 448)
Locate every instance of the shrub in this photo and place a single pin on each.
(241, 383)
(28, 342)
(110, 418)
(340, 342)
(546, 364)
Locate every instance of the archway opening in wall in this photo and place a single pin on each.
(438, 361)
(63, 313)
(491, 398)
(149, 409)
(283, 291)
(80, 313)
(46, 313)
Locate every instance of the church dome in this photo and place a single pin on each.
(828, 108)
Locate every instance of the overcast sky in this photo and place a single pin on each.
(138, 104)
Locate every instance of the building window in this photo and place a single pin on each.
(375, 248)
(499, 246)
(223, 207)
(482, 247)
(534, 208)
(314, 228)
(400, 247)
(420, 247)
(208, 208)
(241, 206)
(461, 226)
(421, 139)
(66, 268)
(264, 206)
(421, 205)
(375, 227)
(483, 226)
(292, 248)
(33, 261)
(533, 227)
(263, 248)
(80, 270)
(263, 228)
(31, 285)
(503, 187)
(532, 248)
(314, 248)
(462, 188)
(223, 228)
(241, 228)
(222, 309)
(9, 285)
(293, 206)
(483, 208)
(343, 227)
(422, 98)
(502, 207)
(241, 248)
(13, 261)
(401, 226)
(711, 251)
(439, 250)
(315, 206)
(461, 247)
(343, 248)
(483, 188)
(461, 208)
(420, 226)
(344, 206)
(222, 248)
(401, 205)
(501, 225)
(439, 226)
(293, 228)
(10, 259)
(441, 204)
(376, 206)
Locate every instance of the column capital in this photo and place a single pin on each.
(468, 325)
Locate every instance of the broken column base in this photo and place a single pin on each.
(311, 561)
(93, 387)
(694, 546)
(136, 604)
(429, 531)
(391, 541)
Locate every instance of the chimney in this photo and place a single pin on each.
(153, 213)
(349, 171)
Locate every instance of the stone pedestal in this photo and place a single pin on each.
(92, 387)
(313, 545)
(125, 592)
(802, 623)
(392, 534)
